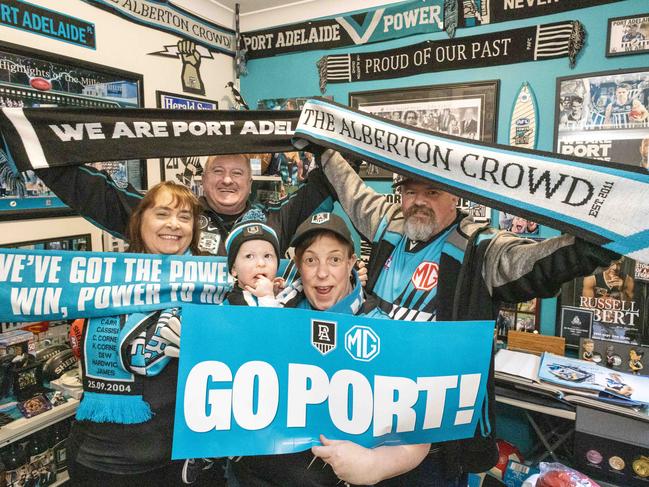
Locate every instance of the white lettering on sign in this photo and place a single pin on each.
(214, 397)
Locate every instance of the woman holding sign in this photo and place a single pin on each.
(122, 436)
(324, 255)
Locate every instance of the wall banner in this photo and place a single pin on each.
(48, 137)
(479, 12)
(32, 18)
(167, 17)
(598, 201)
(364, 27)
(535, 43)
(377, 385)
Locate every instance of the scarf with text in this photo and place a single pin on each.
(479, 12)
(601, 202)
(534, 43)
(404, 19)
(36, 138)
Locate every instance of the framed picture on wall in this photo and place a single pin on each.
(464, 109)
(185, 170)
(289, 167)
(604, 116)
(628, 35)
(32, 78)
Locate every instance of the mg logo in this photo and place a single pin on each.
(362, 343)
(425, 276)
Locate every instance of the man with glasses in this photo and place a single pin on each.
(227, 184)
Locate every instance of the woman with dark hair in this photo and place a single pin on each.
(122, 436)
(324, 256)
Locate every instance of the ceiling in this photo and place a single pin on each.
(250, 6)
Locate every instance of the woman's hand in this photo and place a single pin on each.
(171, 332)
(351, 462)
(358, 465)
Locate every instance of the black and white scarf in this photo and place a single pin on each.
(535, 43)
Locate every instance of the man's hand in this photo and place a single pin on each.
(349, 461)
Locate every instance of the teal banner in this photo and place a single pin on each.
(32, 18)
(51, 285)
(272, 380)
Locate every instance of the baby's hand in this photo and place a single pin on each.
(278, 285)
(264, 287)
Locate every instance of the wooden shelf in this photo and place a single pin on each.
(24, 427)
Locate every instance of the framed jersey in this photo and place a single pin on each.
(604, 116)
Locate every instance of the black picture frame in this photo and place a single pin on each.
(41, 78)
(604, 115)
(426, 107)
(627, 35)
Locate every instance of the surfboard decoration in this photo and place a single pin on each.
(524, 119)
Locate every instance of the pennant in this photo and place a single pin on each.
(479, 12)
(363, 27)
(165, 16)
(598, 201)
(535, 43)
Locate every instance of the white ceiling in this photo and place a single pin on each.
(248, 7)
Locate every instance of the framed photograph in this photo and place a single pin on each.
(519, 317)
(73, 242)
(290, 168)
(604, 116)
(185, 170)
(628, 35)
(516, 224)
(464, 109)
(32, 78)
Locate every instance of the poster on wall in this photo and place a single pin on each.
(615, 299)
(30, 78)
(628, 35)
(465, 109)
(184, 170)
(604, 116)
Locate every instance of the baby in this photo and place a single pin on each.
(253, 257)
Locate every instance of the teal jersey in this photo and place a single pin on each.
(407, 285)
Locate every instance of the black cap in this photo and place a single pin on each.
(249, 230)
(401, 179)
(319, 222)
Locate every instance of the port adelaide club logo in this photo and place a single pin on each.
(323, 335)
